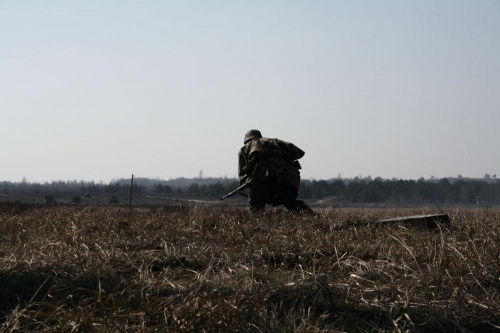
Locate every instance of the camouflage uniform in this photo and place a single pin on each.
(271, 169)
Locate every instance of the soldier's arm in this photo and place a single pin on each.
(249, 156)
(242, 168)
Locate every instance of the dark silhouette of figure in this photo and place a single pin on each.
(271, 169)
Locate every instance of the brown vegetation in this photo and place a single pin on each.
(207, 269)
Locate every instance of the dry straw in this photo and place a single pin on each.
(111, 269)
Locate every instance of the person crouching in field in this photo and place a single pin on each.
(271, 170)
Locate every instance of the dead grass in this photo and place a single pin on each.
(202, 269)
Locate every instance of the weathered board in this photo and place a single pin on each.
(429, 221)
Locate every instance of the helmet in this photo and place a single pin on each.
(252, 134)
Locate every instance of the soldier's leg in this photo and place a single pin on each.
(257, 198)
(255, 205)
(288, 198)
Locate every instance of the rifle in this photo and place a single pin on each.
(230, 194)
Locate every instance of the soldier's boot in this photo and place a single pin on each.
(295, 205)
(255, 206)
(304, 208)
(299, 206)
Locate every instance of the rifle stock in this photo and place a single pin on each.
(230, 194)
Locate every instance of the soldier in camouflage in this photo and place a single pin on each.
(271, 169)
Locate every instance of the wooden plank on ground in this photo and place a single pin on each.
(429, 221)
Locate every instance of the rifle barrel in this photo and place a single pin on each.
(230, 194)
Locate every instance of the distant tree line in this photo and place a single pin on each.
(355, 190)
(212, 190)
(67, 188)
(75, 188)
(403, 191)
(206, 190)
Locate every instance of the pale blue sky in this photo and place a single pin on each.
(96, 90)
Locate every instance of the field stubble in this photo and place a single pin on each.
(185, 269)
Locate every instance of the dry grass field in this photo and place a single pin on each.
(202, 269)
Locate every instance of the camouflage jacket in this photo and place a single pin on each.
(261, 158)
